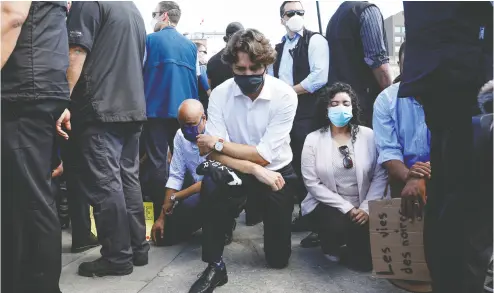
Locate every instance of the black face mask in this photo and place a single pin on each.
(249, 84)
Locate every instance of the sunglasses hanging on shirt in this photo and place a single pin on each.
(347, 160)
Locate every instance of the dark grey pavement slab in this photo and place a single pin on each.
(174, 269)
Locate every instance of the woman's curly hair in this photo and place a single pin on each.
(252, 42)
(325, 95)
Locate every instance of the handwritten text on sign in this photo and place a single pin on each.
(406, 256)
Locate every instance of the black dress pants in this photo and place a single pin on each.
(301, 128)
(458, 219)
(31, 233)
(336, 229)
(106, 162)
(221, 203)
(157, 136)
(78, 204)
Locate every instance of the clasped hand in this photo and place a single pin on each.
(413, 195)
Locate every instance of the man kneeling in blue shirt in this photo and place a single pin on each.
(402, 139)
(180, 215)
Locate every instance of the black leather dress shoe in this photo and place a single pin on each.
(211, 278)
(312, 240)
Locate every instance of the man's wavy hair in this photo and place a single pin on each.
(325, 95)
(251, 42)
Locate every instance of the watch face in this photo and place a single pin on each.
(218, 146)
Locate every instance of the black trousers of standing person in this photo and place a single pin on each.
(31, 250)
(458, 218)
(301, 128)
(158, 135)
(221, 203)
(78, 203)
(106, 162)
(337, 229)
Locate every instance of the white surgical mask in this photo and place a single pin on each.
(153, 23)
(295, 23)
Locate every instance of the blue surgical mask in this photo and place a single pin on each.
(191, 132)
(340, 115)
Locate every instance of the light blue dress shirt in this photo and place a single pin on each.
(400, 129)
(318, 62)
(185, 158)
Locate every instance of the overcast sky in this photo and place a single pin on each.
(262, 15)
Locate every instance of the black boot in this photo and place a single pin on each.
(102, 267)
(140, 259)
(89, 243)
(211, 278)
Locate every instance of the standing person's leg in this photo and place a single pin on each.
(100, 180)
(28, 132)
(129, 171)
(82, 238)
(451, 153)
(277, 218)
(158, 136)
(301, 128)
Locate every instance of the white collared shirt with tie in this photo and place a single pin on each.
(265, 122)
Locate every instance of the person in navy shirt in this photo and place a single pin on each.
(170, 77)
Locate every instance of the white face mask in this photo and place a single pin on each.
(295, 23)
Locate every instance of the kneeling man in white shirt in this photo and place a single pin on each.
(255, 112)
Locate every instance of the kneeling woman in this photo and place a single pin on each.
(340, 171)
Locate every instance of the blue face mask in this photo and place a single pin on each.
(191, 132)
(340, 115)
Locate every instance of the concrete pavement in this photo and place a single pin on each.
(174, 269)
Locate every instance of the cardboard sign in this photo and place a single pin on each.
(148, 216)
(396, 243)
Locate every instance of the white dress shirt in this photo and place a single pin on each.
(265, 122)
(185, 157)
(318, 62)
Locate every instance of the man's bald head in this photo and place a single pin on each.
(190, 112)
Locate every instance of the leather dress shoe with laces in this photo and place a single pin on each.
(211, 278)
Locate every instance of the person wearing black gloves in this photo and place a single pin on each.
(256, 112)
(180, 213)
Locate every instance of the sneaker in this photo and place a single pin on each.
(212, 277)
(91, 242)
(102, 267)
(140, 259)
